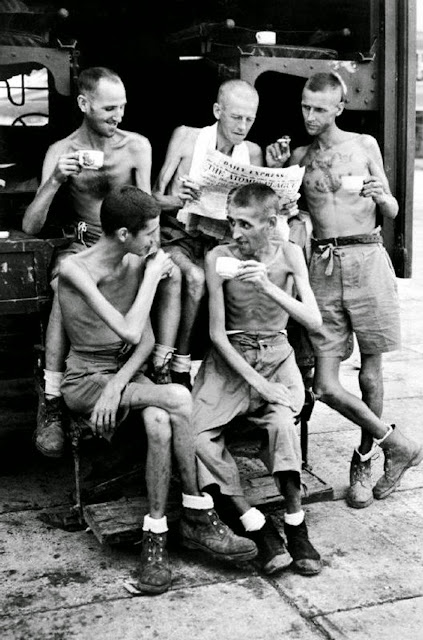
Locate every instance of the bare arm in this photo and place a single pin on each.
(304, 310)
(377, 186)
(256, 154)
(173, 158)
(130, 326)
(103, 417)
(143, 164)
(271, 392)
(57, 167)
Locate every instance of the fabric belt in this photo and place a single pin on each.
(327, 245)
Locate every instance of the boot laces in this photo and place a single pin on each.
(160, 374)
(154, 546)
(216, 522)
(52, 411)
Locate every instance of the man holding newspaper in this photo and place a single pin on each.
(200, 169)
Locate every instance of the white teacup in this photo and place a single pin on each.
(266, 37)
(352, 183)
(227, 267)
(90, 158)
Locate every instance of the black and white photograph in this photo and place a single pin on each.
(211, 320)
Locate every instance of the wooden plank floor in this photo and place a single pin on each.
(120, 521)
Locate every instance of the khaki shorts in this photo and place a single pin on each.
(360, 296)
(86, 376)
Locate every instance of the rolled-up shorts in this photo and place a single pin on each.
(86, 376)
(360, 296)
(220, 395)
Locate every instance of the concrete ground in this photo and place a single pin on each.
(64, 585)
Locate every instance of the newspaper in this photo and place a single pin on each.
(220, 174)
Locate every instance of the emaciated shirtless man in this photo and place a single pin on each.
(127, 160)
(353, 280)
(251, 372)
(188, 240)
(105, 294)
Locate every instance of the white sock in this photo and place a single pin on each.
(155, 525)
(294, 519)
(53, 381)
(205, 501)
(181, 364)
(253, 519)
(162, 354)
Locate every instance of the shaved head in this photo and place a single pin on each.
(231, 88)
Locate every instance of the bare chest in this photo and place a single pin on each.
(324, 168)
(118, 169)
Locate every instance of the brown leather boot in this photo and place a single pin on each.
(359, 494)
(401, 453)
(203, 529)
(154, 573)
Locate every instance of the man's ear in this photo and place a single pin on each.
(217, 109)
(272, 222)
(341, 107)
(82, 103)
(122, 234)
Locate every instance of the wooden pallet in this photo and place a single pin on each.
(120, 521)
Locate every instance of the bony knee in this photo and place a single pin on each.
(179, 397)
(369, 380)
(196, 282)
(324, 392)
(157, 425)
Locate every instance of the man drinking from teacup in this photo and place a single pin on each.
(250, 372)
(187, 239)
(352, 278)
(86, 165)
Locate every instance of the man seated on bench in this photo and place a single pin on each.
(105, 294)
(250, 370)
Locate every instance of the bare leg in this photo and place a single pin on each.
(49, 435)
(166, 310)
(192, 293)
(158, 468)
(176, 401)
(290, 488)
(57, 345)
(169, 418)
(193, 288)
(330, 391)
(371, 385)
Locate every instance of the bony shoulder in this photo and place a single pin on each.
(298, 155)
(367, 140)
(185, 132)
(66, 266)
(137, 139)
(292, 252)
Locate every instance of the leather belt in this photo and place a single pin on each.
(340, 241)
